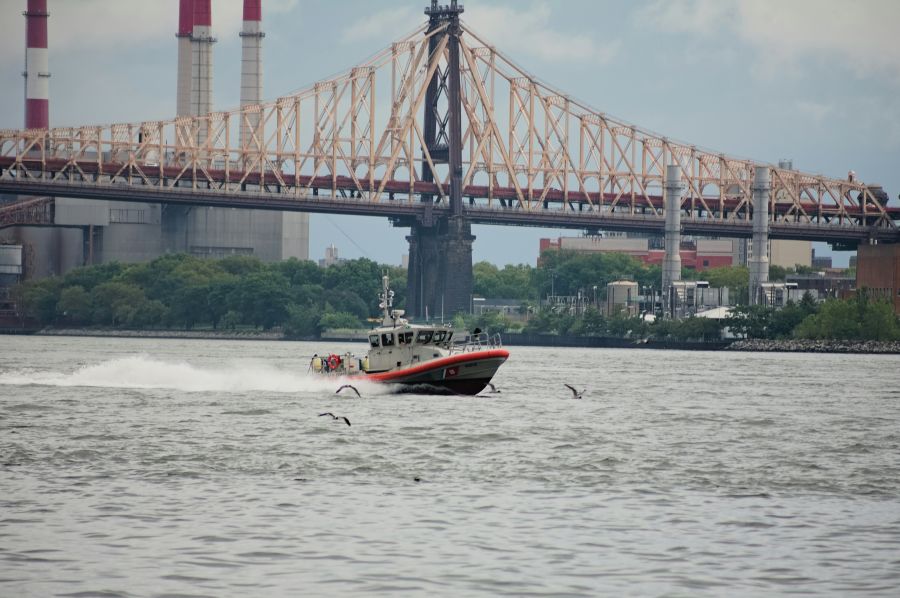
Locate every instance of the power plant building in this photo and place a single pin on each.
(93, 231)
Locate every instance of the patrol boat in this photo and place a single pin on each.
(420, 358)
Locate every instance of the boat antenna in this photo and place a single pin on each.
(387, 300)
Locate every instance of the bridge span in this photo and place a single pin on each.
(459, 134)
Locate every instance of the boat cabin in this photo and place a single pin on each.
(406, 345)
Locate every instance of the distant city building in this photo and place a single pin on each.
(687, 297)
(820, 263)
(778, 294)
(699, 254)
(331, 257)
(823, 285)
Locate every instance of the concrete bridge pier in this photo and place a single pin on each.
(439, 279)
(759, 261)
(671, 271)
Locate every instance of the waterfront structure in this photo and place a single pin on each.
(878, 272)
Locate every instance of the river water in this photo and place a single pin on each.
(143, 467)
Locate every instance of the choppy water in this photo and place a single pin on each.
(133, 467)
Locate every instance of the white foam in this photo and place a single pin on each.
(142, 371)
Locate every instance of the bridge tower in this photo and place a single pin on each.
(440, 277)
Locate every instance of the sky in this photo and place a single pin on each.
(814, 81)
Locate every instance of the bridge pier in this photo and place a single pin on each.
(671, 270)
(439, 278)
(759, 261)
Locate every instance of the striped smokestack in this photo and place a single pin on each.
(202, 61)
(37, 66)
(251, 66)
(185, 28)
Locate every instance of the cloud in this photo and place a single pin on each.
(816, 111)
(384, 26)
(520, 30)
(857, 36)
(514, 30)
(90, 25)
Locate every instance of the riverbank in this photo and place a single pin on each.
(230, 335)
(816, 346)
(510, 339)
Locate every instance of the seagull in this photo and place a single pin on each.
(575, 393)
(493, 388)
(350, 386)
(333, 416)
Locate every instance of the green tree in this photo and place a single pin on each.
(750, 321)
(302, 322)
(113, 303)
(338, 319)
(38, 299)
(89, 277)
(74, 305)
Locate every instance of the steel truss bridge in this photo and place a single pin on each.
(439, 124)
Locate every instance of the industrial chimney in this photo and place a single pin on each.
(185, 29)
(37, 69)
(202, 62)
(251, 66)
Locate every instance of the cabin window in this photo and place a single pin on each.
(373, 340)
(439, 336)
(387, 339)
(424, 336)
(404, 338)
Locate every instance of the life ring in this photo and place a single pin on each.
(333, 362)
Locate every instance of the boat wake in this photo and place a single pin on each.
(143, 371)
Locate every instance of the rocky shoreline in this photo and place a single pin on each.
(815, 346)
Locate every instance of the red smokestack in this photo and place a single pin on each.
(37, 69)
(185, 17)
(253, 10)
(203, 13)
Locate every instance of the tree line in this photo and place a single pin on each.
(179, 291)
(185, 292)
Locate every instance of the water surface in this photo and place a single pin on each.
(140, 467)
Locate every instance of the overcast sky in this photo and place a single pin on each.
(816, 81)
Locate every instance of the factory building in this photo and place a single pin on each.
(93, 231)
(696, 253)
(878, 272)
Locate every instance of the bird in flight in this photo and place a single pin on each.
(493, 388)
(575, 393)
(350, 386)
(333, 416)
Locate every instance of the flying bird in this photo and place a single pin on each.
(333, 416)
(350, 386)
(575, 393)
(493, 388)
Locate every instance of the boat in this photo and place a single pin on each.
(419, 358)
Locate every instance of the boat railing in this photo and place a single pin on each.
(476, 342)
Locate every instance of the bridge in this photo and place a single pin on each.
(436, 132)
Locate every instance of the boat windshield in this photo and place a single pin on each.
(404, 338)
(387, 339)
(373, 340)
(439, 336)
(424, 336)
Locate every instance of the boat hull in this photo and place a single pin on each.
(463, 374)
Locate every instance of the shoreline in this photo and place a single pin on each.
(509, 339)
